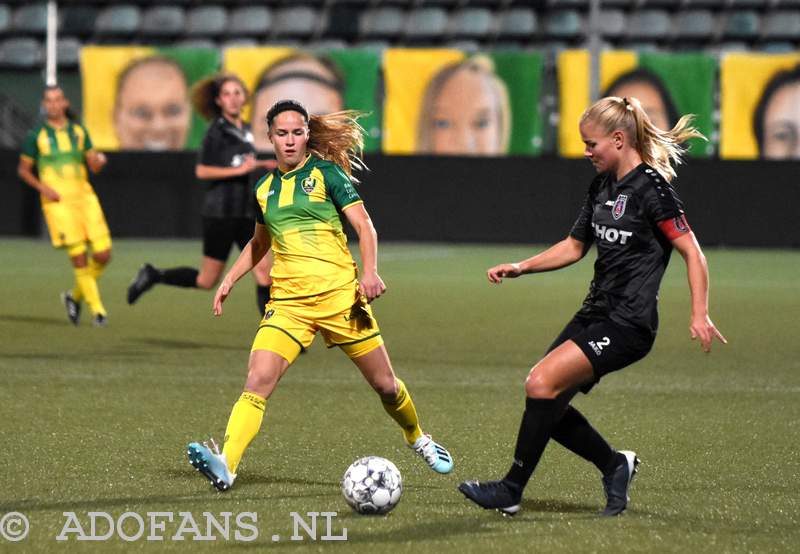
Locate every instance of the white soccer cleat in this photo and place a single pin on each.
(436, 455)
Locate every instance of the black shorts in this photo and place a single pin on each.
(220, 233)
(608, 345)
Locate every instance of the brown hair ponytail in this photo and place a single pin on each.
(338, 138)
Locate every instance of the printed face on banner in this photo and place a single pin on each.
(312, 81)
(652, 102)
(465, 111)
(466, 116)
(781, 127)
(152, 109)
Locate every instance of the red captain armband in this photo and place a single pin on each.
(674, 227)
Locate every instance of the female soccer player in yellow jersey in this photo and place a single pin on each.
(315, 282)
(61, 149)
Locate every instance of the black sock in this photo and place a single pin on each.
(534, 431)
(179, 277)
(262, 297)
(575, 433)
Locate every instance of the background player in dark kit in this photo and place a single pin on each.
(635, 218)
(225, 164)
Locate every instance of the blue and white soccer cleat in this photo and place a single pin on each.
(211, 463)
(433, 453)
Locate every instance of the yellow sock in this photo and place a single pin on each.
(88, 289)
(97, 268)
(76, 293)
(243, 426)
(402, 410)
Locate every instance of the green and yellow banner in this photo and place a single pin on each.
(444, 102)
(138, 97)
(759, 105)
(668, 85)
(323, 80)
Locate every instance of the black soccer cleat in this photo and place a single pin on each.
(493, 495)
(100, 320)
(617, 483)
(144, 281)
(72, 306)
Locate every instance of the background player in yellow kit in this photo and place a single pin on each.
(60, 149)
(315, 282)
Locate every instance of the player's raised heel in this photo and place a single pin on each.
(211, 464)
(72, 306)
(436, 455)
(493, 495)
(617, 483)
(146, 277)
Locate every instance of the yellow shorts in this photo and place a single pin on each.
(343, 319)
(77, 221)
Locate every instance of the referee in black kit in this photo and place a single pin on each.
(634, 217)
(225, 164)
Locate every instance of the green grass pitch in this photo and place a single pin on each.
(96, 419)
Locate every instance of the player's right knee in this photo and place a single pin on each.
(263, 383)
(102, 257)
(207, 281)
(538, 386)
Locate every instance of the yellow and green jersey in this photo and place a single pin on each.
(301, 210)
(59, 157)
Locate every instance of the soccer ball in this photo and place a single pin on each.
(372, 485)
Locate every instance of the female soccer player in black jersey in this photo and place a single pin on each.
(635, 218)
(225, 164)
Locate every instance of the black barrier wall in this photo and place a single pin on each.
(521, 200)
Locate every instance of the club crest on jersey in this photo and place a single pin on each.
(619, 206)
(308, 184)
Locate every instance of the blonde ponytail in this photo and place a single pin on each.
(660, 149)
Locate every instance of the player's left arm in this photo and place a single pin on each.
(684, 241)
(251, 254)
(371, 285)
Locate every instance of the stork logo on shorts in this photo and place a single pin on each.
(308, 185)
(269, 314)
(599, 345)
(619, 206)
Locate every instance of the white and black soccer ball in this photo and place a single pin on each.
(372, 485)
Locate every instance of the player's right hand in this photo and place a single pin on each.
(498, 272)
(222, 293)
(50, 194)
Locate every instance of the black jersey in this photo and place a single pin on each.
(620, 217)
(225, 145)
